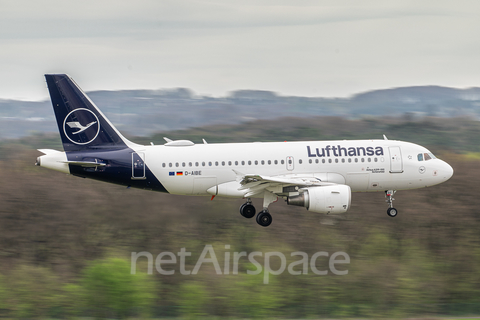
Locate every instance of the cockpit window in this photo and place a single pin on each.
(425, 156)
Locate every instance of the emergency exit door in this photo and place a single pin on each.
(290, 163)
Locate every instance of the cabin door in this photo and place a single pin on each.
(396, 164)
(138, 165)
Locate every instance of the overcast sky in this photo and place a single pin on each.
(301, 47)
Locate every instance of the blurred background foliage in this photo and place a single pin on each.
(65, 243)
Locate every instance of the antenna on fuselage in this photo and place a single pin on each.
(385, 137)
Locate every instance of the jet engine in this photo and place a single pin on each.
(326, 199)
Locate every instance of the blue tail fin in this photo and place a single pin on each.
(81, 124)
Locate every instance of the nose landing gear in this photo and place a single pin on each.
(391, 211)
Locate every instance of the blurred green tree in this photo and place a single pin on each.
(33, 292)
(193, 299)
(112, 291)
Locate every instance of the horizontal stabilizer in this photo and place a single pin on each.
(86, 164)
(48, 151)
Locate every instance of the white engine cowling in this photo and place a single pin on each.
(327, 199)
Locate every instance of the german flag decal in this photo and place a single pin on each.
(179, 173)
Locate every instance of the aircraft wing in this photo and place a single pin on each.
(254, 183)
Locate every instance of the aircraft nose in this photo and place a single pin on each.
(447, 171)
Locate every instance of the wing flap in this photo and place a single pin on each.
(255, 184)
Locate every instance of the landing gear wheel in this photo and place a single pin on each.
(247, 210)
(242, 206)
(392, 212)
(264, 219)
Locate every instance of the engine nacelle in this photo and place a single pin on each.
(327, 199)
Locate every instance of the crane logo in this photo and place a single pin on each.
(81, 126)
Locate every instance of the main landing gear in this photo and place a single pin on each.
(392, 212)
(264, 218)
(247, 209)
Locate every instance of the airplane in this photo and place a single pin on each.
(317, 175)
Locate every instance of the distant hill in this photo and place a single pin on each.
(143, 112)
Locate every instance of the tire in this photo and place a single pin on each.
(392, 212)
(264, 219)
(247, 210)
(241, 208)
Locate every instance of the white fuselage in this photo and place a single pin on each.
(364, 165)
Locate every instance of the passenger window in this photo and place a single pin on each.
(300, 161)
(369, 160)
(269, 162)
(336, 160)
(189, 164)
(263, 162)
(310, 161)
(203, 164)
(176, 164)
(276, 162)
(283, 161)
(329, 160)
(249, 162)
(363, 160)
(210, 163)
(316, 160)
(343, 160)
(323, 160)
(349, 160)
(183, 164)
(356, 159)
(420, 157)
(376, 159)
(196, 164)
(216, 163)
(236, 163)
(243, 163)
(163, 165)
(170, 164)
(256, 162)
